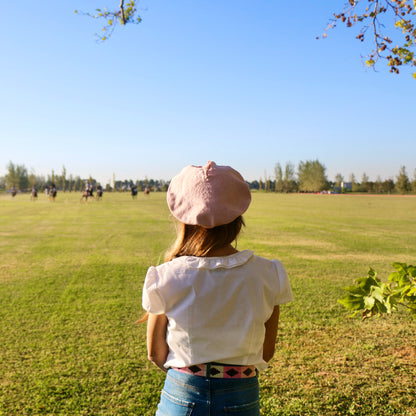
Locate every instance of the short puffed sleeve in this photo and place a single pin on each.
(284, 292)
(152, 299)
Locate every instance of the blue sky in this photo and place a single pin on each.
(243, 83)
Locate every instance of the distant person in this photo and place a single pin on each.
(13, 191)
(52, 192)
(134, 191)
(91, 190)
(87, 193)
(212, 311)
(99, 192)
(34, 193)
(146, 190)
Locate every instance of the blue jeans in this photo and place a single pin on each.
(189, 395)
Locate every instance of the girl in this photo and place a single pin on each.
(213, 311)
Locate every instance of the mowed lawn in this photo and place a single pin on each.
(70, 292)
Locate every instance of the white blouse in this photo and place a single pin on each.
(216, 306)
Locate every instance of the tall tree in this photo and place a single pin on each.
(11, 176)
(339, 180)
(388, 186)
(311, 175)
(278, 175)
(289, 182)
(365, 183)
(413, 183)
(378, 185)
(33, 180)
(402, 182)
(17, 176)
(63, 178)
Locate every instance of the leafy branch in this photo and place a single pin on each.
(373, 297)
(126, 13)
(368, 14)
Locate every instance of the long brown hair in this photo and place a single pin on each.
(195, 240)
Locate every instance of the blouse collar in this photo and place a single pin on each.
(225, 262)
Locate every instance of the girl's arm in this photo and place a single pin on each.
(157, 347)
(271, 334)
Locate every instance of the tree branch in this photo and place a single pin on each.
(123, 17)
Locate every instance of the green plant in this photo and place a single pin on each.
(373, 297)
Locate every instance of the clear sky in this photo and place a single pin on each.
(243, 83)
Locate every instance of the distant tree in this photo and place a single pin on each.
(70, 183)
(402, 182)
(378, 186)
(254, 185)
(365, 183)
(53, 177)
(11, 176)
(261, 186)
(353, 180)
(289, 181)
(311, 176)
(278, 175)
(77, 184)
(413, 183)
(266, 182)
(63, 178)
(17, 176)
(339, 179)
(388, 186)
(33, 180)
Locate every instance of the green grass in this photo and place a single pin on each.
(70, 291)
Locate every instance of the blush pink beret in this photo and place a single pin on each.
(208, 195)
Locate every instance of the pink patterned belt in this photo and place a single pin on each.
(216, 370)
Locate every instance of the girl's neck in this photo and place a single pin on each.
(222, 251)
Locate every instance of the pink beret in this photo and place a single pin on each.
(208, 195)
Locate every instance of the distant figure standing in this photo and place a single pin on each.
(87, 193)
(34, 194)
(134, 191)
(52, 192)
(147, 190)
(99, 192)
(91, 190)
(14, 191)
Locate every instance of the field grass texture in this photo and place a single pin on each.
(71, 276)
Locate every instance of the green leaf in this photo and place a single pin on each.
(411, 270)
(369, 302)
(378, 294)
(352, 302)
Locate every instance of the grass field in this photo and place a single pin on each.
(70, 291)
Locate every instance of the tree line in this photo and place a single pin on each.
(19, 178)
(310, 176)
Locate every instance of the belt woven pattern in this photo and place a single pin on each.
(214, 370)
